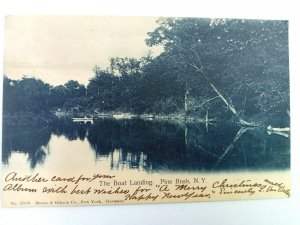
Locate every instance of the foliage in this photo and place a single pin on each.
(244, 61)
(247, 60)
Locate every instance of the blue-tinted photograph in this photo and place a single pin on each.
(146, 94)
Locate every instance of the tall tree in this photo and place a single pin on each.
(26, 95)
(225, 55)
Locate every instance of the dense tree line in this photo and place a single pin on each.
(243, 63)
(229, 69)
(33, 95)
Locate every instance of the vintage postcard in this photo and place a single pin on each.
(126, 110)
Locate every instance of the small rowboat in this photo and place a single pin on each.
(284, 129)
(83, 119)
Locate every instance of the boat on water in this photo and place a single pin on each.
(84, 119)
(275, 129)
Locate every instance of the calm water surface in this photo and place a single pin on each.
(148, 146)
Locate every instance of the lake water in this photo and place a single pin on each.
(149, 146)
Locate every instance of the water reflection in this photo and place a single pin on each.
(31, 139)
(146, 145)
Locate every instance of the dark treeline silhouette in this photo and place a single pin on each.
(156, 146)
(31, 139)
(227, 69)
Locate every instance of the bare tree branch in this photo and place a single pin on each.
(198, 57)
(208, 152)
(228, 104)
(203, 103)
(231, 145)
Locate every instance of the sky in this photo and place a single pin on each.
(56, 49)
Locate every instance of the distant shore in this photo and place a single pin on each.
(125, 115)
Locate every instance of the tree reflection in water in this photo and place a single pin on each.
(156, 145)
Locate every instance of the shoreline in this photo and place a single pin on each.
(145, 116)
